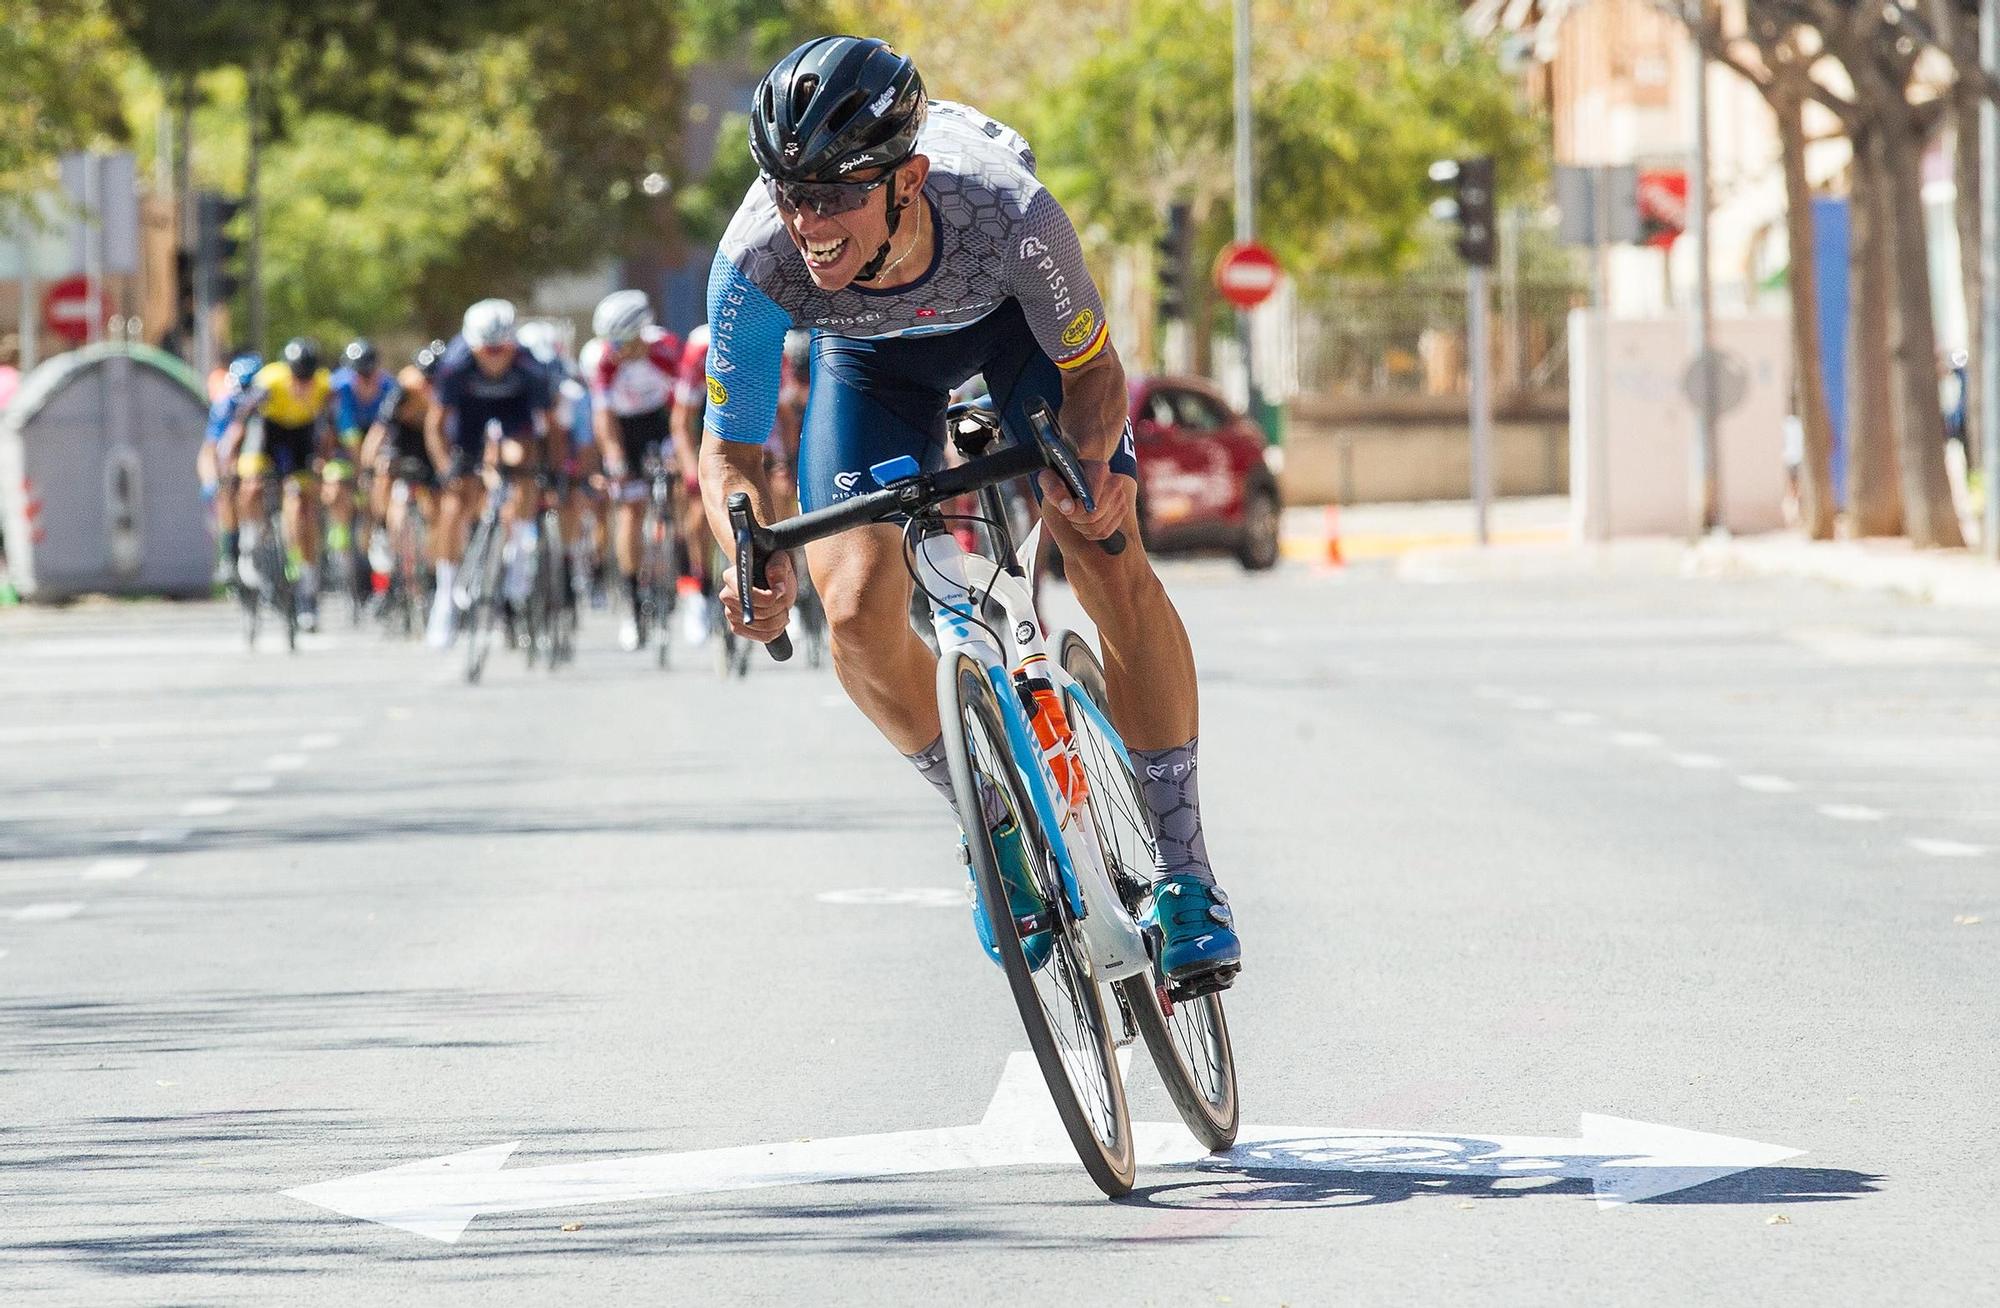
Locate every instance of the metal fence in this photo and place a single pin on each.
(1359, 338)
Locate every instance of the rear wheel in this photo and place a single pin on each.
(1188, 1038)
(1059, 1001)
(1257, 550)
(482, 585)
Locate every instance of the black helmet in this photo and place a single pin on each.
(360, 353)
(833, 106)
(302, 356)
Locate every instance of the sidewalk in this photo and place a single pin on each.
(1433, 542)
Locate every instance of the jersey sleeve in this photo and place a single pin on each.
(347, 408)
(693, 376)
(1054, 288)
(746, 354)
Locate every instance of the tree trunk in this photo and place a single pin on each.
(1931, 518)
(1965, 102)
(1816, 499)
(1874, 491)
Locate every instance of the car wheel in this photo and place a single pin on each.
(1257, 550)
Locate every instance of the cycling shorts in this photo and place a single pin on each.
(640, 433)
(286, 451)
(876, 400)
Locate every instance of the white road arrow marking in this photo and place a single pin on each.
(439, 1197)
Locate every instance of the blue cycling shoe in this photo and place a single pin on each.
(1021, 900)
(1199, 952)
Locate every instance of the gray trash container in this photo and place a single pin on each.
(98, 491)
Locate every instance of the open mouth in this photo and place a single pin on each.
(825, 254)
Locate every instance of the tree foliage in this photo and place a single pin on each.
(60, 61)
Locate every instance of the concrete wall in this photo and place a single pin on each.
(1418, 448)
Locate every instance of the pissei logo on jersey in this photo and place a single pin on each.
(718, 394)
(1079, 329)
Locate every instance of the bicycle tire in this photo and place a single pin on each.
(482, 559)
(1075, 1045)
(1189, 1040)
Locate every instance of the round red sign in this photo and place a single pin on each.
(67, 309)
(1246, 274)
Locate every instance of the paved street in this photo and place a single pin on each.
(1720, 855)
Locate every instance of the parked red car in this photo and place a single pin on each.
(1203, 480)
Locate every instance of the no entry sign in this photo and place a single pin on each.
(1246, 274)
(68, 309)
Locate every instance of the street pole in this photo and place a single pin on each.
(1598, 525)
(1704, 494)
(1989, 278)
(1481, 397)
(30, 321)
(1246, 196)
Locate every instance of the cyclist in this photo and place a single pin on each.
(547, 344)
(358, 390)
(631, 364)
(218, 476)
(485, 380)
(916, 241)
(395, 444)
(283, 427)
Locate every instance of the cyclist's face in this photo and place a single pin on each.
(837, 246)
(494, 359)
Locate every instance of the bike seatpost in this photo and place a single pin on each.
(752, 557)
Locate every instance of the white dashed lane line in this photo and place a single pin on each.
(208, 806)
(1697, 762)
(252, 785)
(1944, 848)
(52, 912)
(1574, 718)
(1531, 703)
(319, 740)
(162, 835)
(1635, 739)
(1851, 813)
(285, 762)
(114, 869)
(1766, 784)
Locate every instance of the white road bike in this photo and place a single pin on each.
(1031, 730)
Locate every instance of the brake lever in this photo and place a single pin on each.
(1062, 460)
(751, 567)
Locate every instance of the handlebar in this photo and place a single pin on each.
(755, 543)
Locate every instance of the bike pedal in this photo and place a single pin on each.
(1213, 981)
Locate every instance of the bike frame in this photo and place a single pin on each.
(962, 586)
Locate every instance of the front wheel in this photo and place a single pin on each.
(1188, 1038)
(1058, 998)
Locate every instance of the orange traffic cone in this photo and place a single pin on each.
(1333, 558)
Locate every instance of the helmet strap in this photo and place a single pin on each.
(873, 269)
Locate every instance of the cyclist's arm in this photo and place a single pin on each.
(232, 438)
(687, 444)
(1066, 315)
(747, 347)
(434, 440)
(605, 424)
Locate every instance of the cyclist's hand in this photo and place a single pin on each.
(772, 605)
(1115, 495)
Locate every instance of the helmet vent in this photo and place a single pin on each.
(802, 94)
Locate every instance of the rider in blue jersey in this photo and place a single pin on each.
(359, 386)
(218, 475)
(916, 242)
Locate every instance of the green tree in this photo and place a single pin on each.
(60, 61)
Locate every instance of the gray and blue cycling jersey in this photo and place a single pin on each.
(1000, 236)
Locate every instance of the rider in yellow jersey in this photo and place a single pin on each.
(284, 428)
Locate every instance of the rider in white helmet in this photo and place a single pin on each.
(630, 367)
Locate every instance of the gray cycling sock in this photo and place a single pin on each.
(931, 766)
(1167, 784)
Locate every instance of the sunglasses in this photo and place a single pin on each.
(827, 199)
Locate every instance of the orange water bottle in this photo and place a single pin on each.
(1052, 733)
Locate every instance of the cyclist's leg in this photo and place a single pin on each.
(1149, 673)
(251, 470)
(872, 401)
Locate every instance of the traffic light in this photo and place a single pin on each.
(217, 253)
(1470, 204)
(1176, 251)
